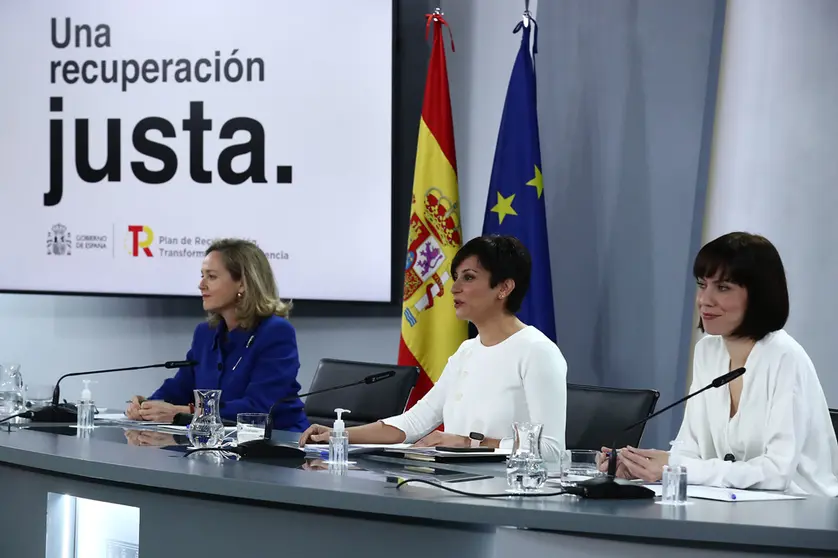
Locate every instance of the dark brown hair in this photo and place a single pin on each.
(752, 262)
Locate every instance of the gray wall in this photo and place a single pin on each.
(626, 103)
(775, 168)
(51, 335)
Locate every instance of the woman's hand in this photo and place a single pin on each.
(602, 463)
(160, 411)
(644, 464)
(437, 438)
(149, 438)
(133, 410)
(315, 465)
(315, 434)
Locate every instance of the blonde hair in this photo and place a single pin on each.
(246, 262)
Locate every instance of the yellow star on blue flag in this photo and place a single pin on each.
(516, 176)
(537, 181)
(504, 207)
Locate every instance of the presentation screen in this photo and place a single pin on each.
(132, 134)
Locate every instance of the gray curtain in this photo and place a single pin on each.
(626, 102)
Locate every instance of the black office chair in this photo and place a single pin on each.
(833, 414)
(597, 416)
(367, 403)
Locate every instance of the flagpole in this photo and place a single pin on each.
(430, 330)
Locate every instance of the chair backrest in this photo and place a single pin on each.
(367, 403)
(597, 416)
(833, 414)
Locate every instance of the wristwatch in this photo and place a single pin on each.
(476, 438)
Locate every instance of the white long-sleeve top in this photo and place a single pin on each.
(781, 435)
(485, 389)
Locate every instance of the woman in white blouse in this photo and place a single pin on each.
(770, 428)
(510, 372)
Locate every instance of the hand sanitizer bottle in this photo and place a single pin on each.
(85, 408)
(339, 441)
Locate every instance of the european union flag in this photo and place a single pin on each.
(515, 205)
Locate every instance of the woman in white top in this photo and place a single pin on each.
(770, 428)
(510, 372)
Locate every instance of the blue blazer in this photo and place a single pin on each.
(253, 369)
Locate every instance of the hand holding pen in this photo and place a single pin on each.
(133, 410)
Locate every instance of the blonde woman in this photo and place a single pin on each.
(247, 348)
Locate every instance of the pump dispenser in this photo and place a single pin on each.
(339, 441)
(85, 409)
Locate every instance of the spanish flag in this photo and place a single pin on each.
(430, 330)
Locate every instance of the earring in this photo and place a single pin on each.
(500, 297)
(239, 295)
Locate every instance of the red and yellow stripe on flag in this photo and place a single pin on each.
(430, 330)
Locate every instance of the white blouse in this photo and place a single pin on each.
(485, 389)
(781, 435)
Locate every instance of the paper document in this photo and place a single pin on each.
(121, 420)
(176, 429)
(111, 416)
(728, 494)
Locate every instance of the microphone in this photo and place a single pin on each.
(610, 487)
(266, 448)
(66, 412)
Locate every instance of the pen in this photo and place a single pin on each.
(237, 363)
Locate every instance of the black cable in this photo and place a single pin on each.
(24, 414)
(422, 481)
(479, 495)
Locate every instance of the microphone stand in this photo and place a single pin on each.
(67, 413)
(609, 486)
(24, 414)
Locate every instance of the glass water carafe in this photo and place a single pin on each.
(525, 469)
(206, 429)
(11, 390)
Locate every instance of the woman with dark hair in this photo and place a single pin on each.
(770, 428)
(510, 372)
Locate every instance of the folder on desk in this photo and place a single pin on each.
(441, 456)
(407, 451)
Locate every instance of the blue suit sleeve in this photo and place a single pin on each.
(177, 390)
(274, 375)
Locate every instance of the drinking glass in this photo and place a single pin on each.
(250, 426)
(11, 389)
(38, 395)
(674, 485)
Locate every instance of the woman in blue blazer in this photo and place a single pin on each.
(247, 348)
